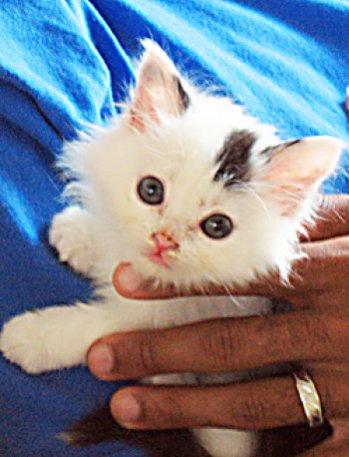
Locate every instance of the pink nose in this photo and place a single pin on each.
(164, 242)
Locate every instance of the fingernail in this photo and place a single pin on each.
(101, 359)
(126, 409)
(129, 279)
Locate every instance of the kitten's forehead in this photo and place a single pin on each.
(228, 160)
(198, 174)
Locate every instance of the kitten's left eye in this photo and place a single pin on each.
(217, 226)
(151, 190)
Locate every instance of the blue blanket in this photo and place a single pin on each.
(64, 63)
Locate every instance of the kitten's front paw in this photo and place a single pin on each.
(70, 234)
(21, 343)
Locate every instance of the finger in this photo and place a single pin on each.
(262, 404)
(249, 406)
(221, 345)
(332, 218)
(129, 284)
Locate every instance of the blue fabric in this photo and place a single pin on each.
(65, 63)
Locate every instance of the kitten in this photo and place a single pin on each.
(191, 190)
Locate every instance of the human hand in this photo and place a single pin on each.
(315, 333)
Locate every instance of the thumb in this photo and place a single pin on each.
(131, 285)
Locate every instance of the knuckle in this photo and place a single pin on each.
(168, 410)
(146, 360)
(307, 332)
(273, 337)
(317, 331)
(221, 345)
(254, 413)
(298, 334)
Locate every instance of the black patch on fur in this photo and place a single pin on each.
(100, 426)
(234, 158)
(184, 97)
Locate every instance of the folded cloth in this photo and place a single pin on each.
(64, 64)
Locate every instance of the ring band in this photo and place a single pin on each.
(309, 398)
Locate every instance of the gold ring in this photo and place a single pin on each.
(309, 397)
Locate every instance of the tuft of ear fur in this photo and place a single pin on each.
(296, 169)
(159, 91)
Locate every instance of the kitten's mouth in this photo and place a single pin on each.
(160, 258)
(163, 249)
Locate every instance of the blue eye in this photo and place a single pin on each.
(151, 190)
(217, 226)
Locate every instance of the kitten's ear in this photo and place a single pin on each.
(296, 169)
(159, 91)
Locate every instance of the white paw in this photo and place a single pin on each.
(22, 342)
(70, 234)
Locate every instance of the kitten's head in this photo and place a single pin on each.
(196, 190)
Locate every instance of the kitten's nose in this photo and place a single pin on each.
(164, 242)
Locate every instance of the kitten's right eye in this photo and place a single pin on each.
(151, 190)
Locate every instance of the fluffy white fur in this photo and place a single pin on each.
(108, 223)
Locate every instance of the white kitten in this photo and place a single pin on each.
(192, 191)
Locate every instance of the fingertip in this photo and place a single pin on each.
(100, 360)
(117, 272)
(126, 408)
(126, 281)
(130, 284)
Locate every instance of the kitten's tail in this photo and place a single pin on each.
(100, 426)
